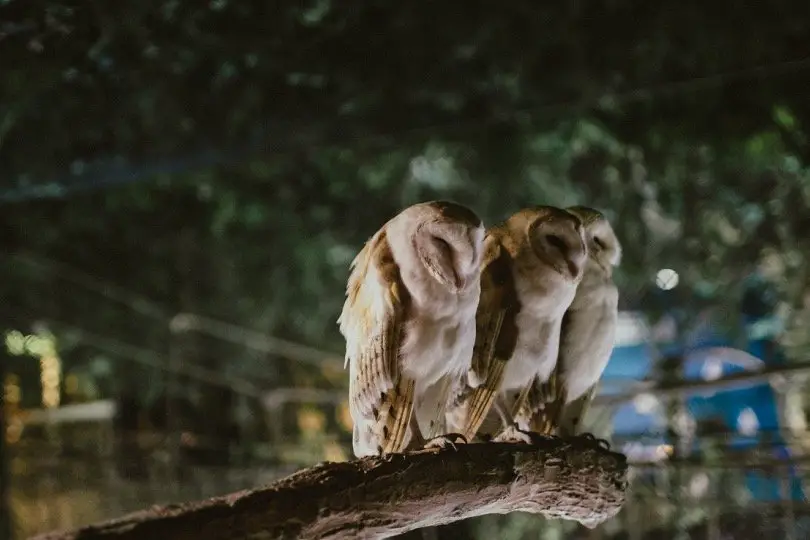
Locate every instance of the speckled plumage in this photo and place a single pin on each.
(587, 335)
(532, 264)
(409, 323)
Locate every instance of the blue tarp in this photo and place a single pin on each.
(757, 403)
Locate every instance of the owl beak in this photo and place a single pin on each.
(461, 283)
(573, 269)
(576, 263)
(448, 277)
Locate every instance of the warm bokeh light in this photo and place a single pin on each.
(50, 377)
(14, 429)
(311, 420)
(333, 451)
(344, 416)
(11, 390)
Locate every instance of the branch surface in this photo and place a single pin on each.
(381, 497)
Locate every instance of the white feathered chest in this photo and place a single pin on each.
(439, 335)
(589, 335)
(538, 339)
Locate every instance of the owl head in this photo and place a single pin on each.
(604, 248)
(447, 242)
(557, 239)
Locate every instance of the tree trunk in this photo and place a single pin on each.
(381, 497)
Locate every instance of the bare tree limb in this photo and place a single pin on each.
(733, 381)
(381, 497)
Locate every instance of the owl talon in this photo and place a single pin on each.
(603, 444)
(443, 441)
(590, 438)
(514, 434)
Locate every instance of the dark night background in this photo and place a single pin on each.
(219, 164)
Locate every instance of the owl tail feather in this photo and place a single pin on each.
(547, 404)
(395, 416)
(480, 401)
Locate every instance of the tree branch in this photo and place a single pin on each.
(381, 497)
(734, 381)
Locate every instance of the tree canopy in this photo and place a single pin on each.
(229, 158)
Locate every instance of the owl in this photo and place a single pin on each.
(409, 325)
(587, 336)
(531, 267)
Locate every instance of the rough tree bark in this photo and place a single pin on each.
(380, 497)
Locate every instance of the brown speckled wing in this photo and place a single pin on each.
(372, 322)
(496, 334)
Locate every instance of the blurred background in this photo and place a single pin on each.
(184, 184)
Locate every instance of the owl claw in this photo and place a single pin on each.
(448, 439)
(590, 438)
(514, 434)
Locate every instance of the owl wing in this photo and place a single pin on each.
(539, 404)
(572, 414)
(540, 410)
(432, 408)
(586, 342)
(602, 331)
(495, 334)
(380, 397)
